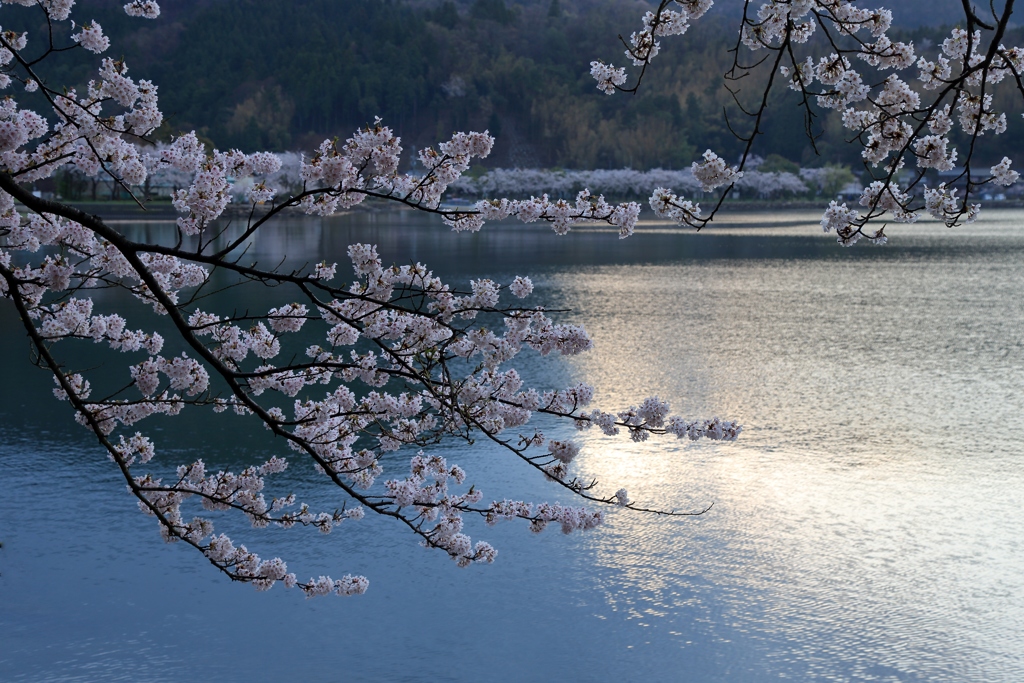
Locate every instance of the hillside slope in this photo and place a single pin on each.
(283, 75)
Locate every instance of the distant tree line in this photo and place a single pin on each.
(263, 74)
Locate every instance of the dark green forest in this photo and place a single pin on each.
(266, 74)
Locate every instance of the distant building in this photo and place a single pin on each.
(952, 179)
(850, 191)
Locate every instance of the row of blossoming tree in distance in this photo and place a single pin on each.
(511, 182)
(828, 181)
(520, 182)
(344, 370)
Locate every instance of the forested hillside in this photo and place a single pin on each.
(282, 75)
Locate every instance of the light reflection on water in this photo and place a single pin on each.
(865, 527)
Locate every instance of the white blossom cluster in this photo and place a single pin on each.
(569, 518)
(560, 213)
(852, 65)
(643, 44)
(667, 204)
(713, 172)
(147, 9)
(608, 77)
(562, 183)
(618, 182)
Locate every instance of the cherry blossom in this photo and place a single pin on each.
(840, 56)
(91, 38)
(354, 362)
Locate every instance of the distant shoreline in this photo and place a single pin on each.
(123, 210)
(163, 210)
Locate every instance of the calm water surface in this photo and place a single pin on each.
(867, 526)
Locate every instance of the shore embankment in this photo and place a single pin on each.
(163, 210)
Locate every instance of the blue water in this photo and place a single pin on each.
(867, 525)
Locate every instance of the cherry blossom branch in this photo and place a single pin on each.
(404, 360)
(891, 128)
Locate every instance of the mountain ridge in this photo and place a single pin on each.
(262, 74)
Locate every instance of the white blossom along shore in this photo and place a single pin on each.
(839, 56)
(346, 363)
(625, 181)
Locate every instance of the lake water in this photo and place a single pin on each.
(867, 525)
